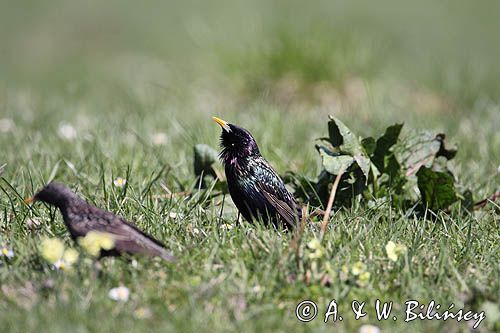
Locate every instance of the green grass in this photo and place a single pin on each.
(119, 72)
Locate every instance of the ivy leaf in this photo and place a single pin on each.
(388, 167)
(448, 153)
(204, 157)
(335, 136)
(334, 162)
(369, 145)
(436, 188)
(203, 164)
(342, 138)
(416, 150)
(384, 145)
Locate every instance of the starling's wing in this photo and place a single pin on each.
(128, 238)
(284, 209)
(274, 190)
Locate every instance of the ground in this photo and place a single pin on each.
(90, 92)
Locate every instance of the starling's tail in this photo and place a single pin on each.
(165, 255)
(156, 248)
(144, 243)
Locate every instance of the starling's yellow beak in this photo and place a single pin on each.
(29, 200)
(224, 124)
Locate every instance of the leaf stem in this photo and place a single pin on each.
(330, 204)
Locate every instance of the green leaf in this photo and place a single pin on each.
(204, 157)
(341, 137)
(436, 188)
(364, 164)
(335, 136)
(333, 162)
(448, 153)
(369, 145)
(384, 144)
(416, 150)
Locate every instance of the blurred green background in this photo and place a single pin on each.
(91, 90)
(432, 65)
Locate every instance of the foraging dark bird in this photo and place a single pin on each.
(81, 218)
(256, 189)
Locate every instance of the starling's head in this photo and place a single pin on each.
(236, 142)
(55, 194)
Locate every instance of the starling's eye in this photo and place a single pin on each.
(232, 144)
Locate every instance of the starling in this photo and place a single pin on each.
(256, 189)
(81, 218)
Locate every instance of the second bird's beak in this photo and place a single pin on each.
(29, 200)
(224, 124)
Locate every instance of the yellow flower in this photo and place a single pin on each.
(315, 245)
(344, 273)
(363, 279)
(52, 249)
(142, 313)
(390, 249)
(400, 249)
(70, 256)
(358, 268)
(94, 241)
(106, 241)
(329, 269)
(393, 250)
(90, 244)
(120, 182)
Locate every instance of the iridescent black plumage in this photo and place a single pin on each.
(256, 189)
(81, 217)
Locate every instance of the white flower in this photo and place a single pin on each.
(6, 252)
(159, 138)
(120, 182)
(6, 125)
(369, 329)
(226, 226)
(32, 223)
(60, 264)
(69, 257)
(257, 289)
(66, 131)
(119, 294)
